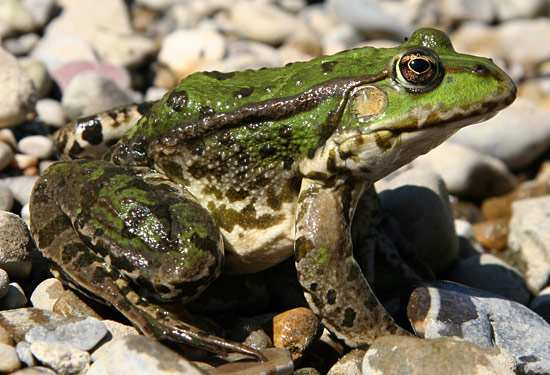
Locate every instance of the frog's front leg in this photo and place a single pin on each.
(334, 285)
(131, 238)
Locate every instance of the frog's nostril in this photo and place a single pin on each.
(480, 69)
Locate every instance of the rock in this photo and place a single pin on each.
(306, 371)
(118, 330)
(36, 145)
(26, 214)
(530, 238)
(8, 359)
(418, 199)
(141, 355)
(492, 234)
(541, 304)
(509, 9)
(499, 138)
(47, 293)
(276, 359)
(64, 359)
(14, 298)
(459, 11)
(37, 370)
(4, 283)
(350, 364)
(6, 155)
(82, 334)
(7, 136)
(15, 18)
(20, 186)
(24, 353)
(487, 272)
(295, 330)
(5, 337)
(413, 356)
(467, 173)
(40, 10)
(17, 93)
(15, 246)
(65, 73)
(6, 199)
(21, 45)
(56, 50)
(50, 112)
(482, 318)
(90, 93)
(38, 73)
(25, 162)
(339, 38)
(18, 322)
(375, 16)
(258, 339)
(70, 305)
(186, 51)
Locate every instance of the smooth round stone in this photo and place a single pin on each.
(36, 145)
(37, 72)
(418, 199)
(414, 356)
(466, 172)
(24, 353)
(19, 321)
(529, 239)
(82, 334)
(15, 17)
(50, 112)
(9, 361)
(487, 272)
(15, 298)
(24, 162)
(56, 50)
(62, 358)
(350, 364)
(21, 45)
(140, 355)
(90, 93)
(41, 10)
(37, 370)
(17, 93)
(295, 330)
(4, 283)
(20, 186)
(15, 246)
(47, 293)
(258, 339)
(541, 304)
(492, 234)
(6, 155)
(186, 51)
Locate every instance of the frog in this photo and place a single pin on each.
(242, 170)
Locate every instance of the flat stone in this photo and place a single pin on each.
(530, 238)
(47, 293)
(50, 112)
(36, 145)
(83, 334)
(140, 355)
(9, 361)
(485, 319)
(15, 246)
(19, 321)
(64, 359)
(413, 356)
(350, 364)
(295, 330)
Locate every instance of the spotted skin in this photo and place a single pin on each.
(255, 166)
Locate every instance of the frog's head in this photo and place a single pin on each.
(429, 93)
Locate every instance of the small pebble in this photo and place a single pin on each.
(15, 246)
(9, 361)
(46, 294)
(6, 155)
(14, 298)
(24, 353)
(64, 359)
(295, 330)
(37, 370)
(71, 305)
(24, 161)
(50, 112)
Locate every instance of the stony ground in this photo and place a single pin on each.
(476, 209)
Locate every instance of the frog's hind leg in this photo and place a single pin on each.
(60, 204)
(90, 137)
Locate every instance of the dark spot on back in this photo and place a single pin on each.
(285, 131)
(144, 108)
(177, 100)
(205, 111)
(331, 296)
(328, 66)
(92, 130)
(71, 250)
(267, 150)
(75, 150)
(244, 92)
(313, 287)
(382, 143)
(349, 317)
(219, 75)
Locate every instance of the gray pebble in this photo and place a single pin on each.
(51, 112)
(20, 186)
(19, 321)
(14, 298)
(15, 246)
(24, 353)
(6, 155)
(36, 145)
(83, 334)
(21, 45)
(9, 361)
(64, 359)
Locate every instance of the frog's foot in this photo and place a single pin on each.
(119, 234)
(90, 137)
(334, 285)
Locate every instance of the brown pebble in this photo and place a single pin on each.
(70, 305)
(295, 330)
(492, 234)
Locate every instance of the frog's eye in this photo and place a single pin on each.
(418, 70)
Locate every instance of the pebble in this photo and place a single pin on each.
(90, 93)
(5, 337)
(295, 330)
(350, 364)
(25, 162)
(50, 112)
(492, 234)
(26, 214)
(15, 246)
(185, 51)
(7, 136)
(306, 371)
(56, 50)
(47, 293)
(20, 187)
(413, 356)
(499, 137)
(530, 239)
(71, 305)
(541, 304)
(36, 145)
(64, 359)
(17, 322)
(24, 353)
(6, 155)
(82, 334)
(37, 370)
(140, 355)
(258, 339)
(482, 318)
(9, 361)
(39, 75)
(14, 298)
(466, 172)
(15, 18)
(65, 73)
(487, 272)
(17, 93)
(41, 10)
(418, 199)
(21, 45)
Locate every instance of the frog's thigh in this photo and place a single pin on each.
(334, 286)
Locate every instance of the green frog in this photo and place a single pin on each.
(246, 169)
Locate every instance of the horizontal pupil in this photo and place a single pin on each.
(419, 65)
